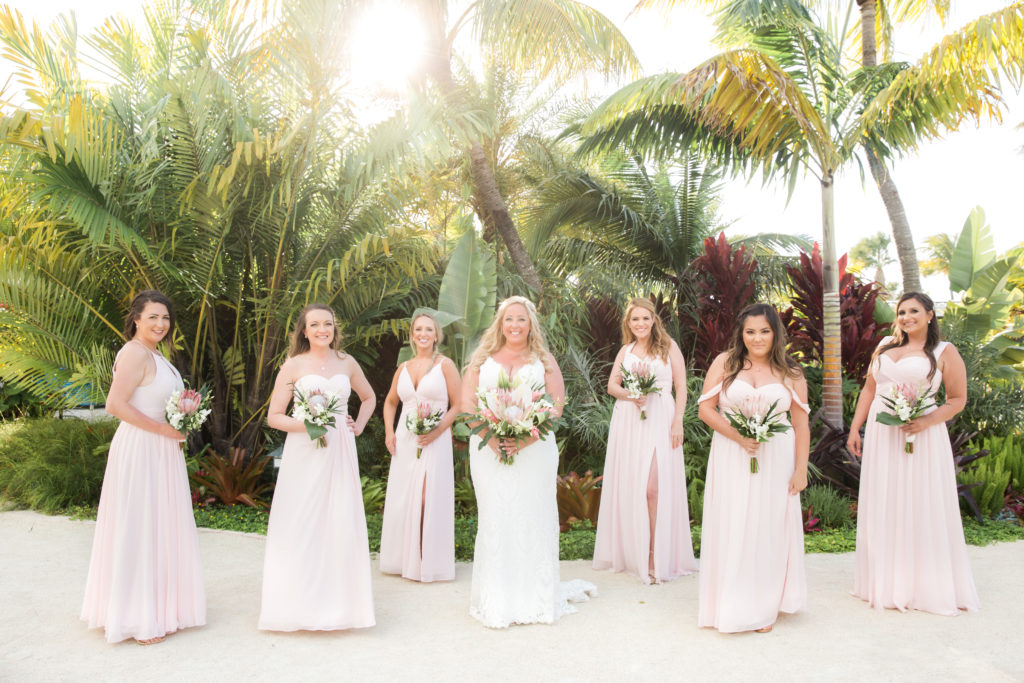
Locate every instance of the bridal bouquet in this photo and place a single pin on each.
(515, 409)
(423, 422)
(640, 381)
(907, 402)
(755, 419)
(187, 409)
(317, 410)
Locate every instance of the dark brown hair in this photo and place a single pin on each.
(778, 359)
(135, 311)
(300, 344)
(931, 340)
(660, 341)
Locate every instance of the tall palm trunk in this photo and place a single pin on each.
(488, 203)
(832, 392)
(901, 234)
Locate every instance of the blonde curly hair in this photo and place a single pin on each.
(493, 338)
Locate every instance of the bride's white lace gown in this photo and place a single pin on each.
(515, 562)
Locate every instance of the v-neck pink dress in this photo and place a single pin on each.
(421, 491)
(636, 446)
(911, 552)
(145, 579)
(752, 536)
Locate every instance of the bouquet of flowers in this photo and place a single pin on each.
(317, 410)
(515, 409)
(187, 409)
(640, 381)
(423, 421)
(757, 420)
(907, 402)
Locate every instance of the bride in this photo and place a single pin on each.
(515, 563)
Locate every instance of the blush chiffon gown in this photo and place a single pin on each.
(316, 570)
(145, 578)
(752, 540)
(911, 552)
(635, 447)
(421, 491)
(515, 560)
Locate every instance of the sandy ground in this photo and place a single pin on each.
(630, 632)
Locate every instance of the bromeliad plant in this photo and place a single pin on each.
(232, 480)
(579, 499)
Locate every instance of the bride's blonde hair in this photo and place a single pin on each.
(493, 338)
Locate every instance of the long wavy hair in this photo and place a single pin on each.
(932, 338)
(660, 342)
(300, 344)
(493, 338)
(437, 330)
(144, 297)
(778, 359)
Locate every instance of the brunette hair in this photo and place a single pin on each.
(493, 338)
(660, 341)
(778, 359)
(899, 339)
(139, 303)
(300, 344)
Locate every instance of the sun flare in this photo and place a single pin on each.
(387, 47)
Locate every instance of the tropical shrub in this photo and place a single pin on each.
(722, 278)
(990, 478)
(696, 448)
(831, 507)
(579, 499)
(1008, 450)
(231, 480)
(373, 494)
(50, 464)
(805, 319)
(374, 460)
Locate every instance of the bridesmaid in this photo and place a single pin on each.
(316, 572)
(145, 580)
(910, 541)
(638, 530)
(752, 544)
(418, 534)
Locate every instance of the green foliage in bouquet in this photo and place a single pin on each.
(50, 464)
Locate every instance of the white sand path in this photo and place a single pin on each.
(631, 632)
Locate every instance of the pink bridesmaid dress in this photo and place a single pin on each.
(421, 492)
(316, 570)
(752, 536)
(636, 446)
(911, 552)
(145, 579)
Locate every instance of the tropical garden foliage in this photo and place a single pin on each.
(223, 162)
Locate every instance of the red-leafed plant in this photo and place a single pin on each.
(804, 319)
(811, 523)
(231, 480)
(724, 285)
(605, 329)
(579, 498)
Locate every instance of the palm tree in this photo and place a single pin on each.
(873, 252)
(783, 104)
(220, 167)
(560, 38)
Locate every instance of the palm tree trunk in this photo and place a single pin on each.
(832, 392)
(901, 234)
(488, 203)
(904, 239)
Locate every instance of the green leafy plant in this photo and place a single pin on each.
(373, 494)
(991, 479)
(50, 464)
(233, 479)
(831, 507)
(1009, 451)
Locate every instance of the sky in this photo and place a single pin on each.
(940, 183)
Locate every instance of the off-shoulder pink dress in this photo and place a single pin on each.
(636, 446)
(752, 538)
(145, 579)
(911, 552)
(421, 491)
